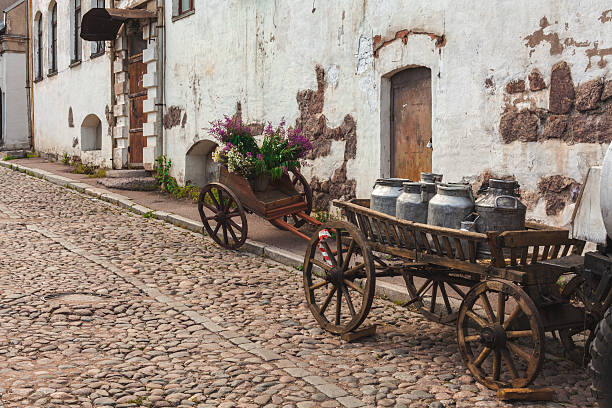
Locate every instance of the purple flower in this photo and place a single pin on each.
(259, 156)
(249, 155)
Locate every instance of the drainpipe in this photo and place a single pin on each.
(28, 84)
(161, 42)
(111, 114)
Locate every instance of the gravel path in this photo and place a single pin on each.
(102, 307)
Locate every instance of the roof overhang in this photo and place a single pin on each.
(100, 24)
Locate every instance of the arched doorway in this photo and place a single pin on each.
(200, 169)
(410, 108)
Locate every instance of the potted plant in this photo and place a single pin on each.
(282, 150)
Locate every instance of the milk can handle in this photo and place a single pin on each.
(506, 196)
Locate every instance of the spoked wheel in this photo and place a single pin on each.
(576, 341)
(339, 292)
(435, 297)
(503, 348)
(222, 215)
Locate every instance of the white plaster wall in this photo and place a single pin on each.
(85, 88)
(262, 53)
(14, 105)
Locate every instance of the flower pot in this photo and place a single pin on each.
(260, 182)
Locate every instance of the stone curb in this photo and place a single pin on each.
(384, 290)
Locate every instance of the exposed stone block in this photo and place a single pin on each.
(120, 157)
(148, 105)
(149, 80)
(149, 129)
(121, 77)
(150, 53)
(148, 155)
(562, 92)
(121, 87)
(522, 126)
(120, 110)
(555, 127)
(536, 82)
(120, 132)
(516, 86)
(120, 65)
(591, 128)
(588, 94)
(607, 90)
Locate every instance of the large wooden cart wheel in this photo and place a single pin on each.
(340, 291)
(222, 215)
(500, 335)
(437, 297)
(576, 341)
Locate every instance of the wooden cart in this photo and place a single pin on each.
(502, 304)
(223, 206)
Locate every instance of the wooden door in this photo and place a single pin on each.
(137, 95)
(411, 123)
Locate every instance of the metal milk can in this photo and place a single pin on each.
(430, 177)
(413, 203)
(499, 209)
(451, 205)
(385, 194)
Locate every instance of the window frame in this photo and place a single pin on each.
(180, 11)
(98, 47)
(53, 41)
(76, 39)
(39, 48)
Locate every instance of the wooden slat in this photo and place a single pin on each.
(389, 236)
(566, 249)
(513, 256)
(436, 242)
(448, 247)
(396, 237)
(414, 238)
(509, 239)
(472, 250)
(545, 253)
(524, 253)
(425, 240)
(459, 247)
(534, 254)
(555, 252)
(405, 241)
(380, 235)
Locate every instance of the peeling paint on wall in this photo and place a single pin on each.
(173, 117)
(379, 41)
(580, 114)
(558, 191)
(313, 123)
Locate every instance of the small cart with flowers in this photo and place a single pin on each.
(265, 181)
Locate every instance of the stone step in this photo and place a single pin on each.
(127, 173)
(130, 183)
(18, 154)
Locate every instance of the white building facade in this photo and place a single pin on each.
(383, 88)
(13, 94)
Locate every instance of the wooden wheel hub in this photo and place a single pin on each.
(493, 337)
(335, 276)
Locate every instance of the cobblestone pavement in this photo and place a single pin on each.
(101, 307)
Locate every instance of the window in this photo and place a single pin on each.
(39, 51)
(185, 6)
(76, 30)
(97, 47)
(53, 41)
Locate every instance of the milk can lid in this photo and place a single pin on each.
(392, 182)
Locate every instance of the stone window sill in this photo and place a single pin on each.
(38, 79)
(181, 16)
(96, 55)
(75, 63)
(52, 73)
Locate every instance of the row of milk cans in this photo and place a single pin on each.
(451, 205)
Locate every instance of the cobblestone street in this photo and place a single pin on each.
(103, 307)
